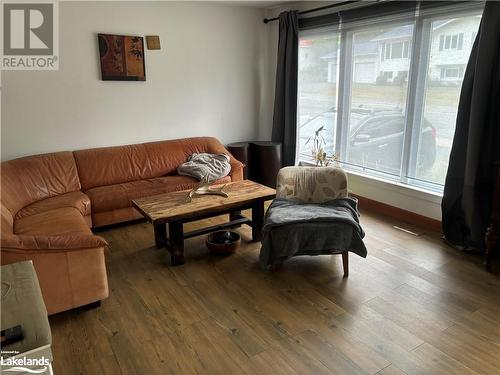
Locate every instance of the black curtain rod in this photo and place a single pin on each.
(267, 20)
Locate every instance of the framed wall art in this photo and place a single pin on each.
(122, 57)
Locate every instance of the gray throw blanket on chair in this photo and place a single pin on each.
(293, 228)
(215, 166)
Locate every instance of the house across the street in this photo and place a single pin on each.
(385, 57)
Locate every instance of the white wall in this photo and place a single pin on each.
(206, 80)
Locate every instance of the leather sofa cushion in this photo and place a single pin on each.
(116, 165)
(60, 221)
(75, 199)
(107, 198)
(33, 178)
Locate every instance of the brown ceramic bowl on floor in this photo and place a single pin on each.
(223, 242)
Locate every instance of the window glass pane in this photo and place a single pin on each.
(406, 49)
(454, 41)
(317, 92)
(378, 98)
(397, 50)
(444, 80)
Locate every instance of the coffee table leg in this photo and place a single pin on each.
(176, 235)
(233, 215)
(257, 220)
(160, 235)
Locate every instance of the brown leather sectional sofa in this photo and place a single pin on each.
(50, 202)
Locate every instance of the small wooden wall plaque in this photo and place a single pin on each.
(153, 41)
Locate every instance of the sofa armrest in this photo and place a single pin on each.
(24, 243)
(236, 168)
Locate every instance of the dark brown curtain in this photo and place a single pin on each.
(285, 101)
(466, 205)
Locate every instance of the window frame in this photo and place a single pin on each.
(388, 50)
(421, 81)
(448, 39)
(420, 46)
(343, 116)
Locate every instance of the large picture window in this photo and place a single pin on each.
(385, 93)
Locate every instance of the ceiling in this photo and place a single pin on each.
(245, 3)
(255, 3)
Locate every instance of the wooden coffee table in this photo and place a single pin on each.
(172, 209)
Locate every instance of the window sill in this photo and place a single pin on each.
(392, 193)
(405, 189)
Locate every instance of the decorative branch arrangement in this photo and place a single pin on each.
(318, 153)
(204, 189)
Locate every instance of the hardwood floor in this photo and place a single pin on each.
(413, 306)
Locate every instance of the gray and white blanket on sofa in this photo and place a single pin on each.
(293, 228)
(215, 166)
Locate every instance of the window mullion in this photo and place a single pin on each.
(344, 100)
(417, 113)
(412, 123)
